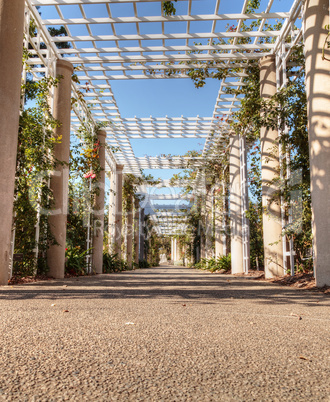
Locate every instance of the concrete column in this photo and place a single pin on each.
(218, 222)
(98, 227)
(142, 234)
(318, 111)
(202, 230)
(129, 234)
(178, 250)
(59, 180)
(235, 207)
(208, 224)
(112, 213)
(172, 248)
(119, 209)
(11, 47)
(272, 224)
(136, 231)
(245, 205)
(175, 250)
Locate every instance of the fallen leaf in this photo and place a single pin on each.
(184, 305)
(303, 358)
(296, 315)
(65, 311)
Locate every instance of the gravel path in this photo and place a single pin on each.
(163, 334)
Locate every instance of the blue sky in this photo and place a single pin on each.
(158, 98)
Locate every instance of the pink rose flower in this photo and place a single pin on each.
(89, 174)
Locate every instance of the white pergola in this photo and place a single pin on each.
(155, 47)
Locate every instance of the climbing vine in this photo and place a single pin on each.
(152, 243)
(84, 184)
(33, 199)
(168, 7)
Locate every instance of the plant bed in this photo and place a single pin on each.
(300, 281)
(21, 280)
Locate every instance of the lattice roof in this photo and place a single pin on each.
(133, 39)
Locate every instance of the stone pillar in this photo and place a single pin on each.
(202, 236)
(175, 250)
(202, 229)
(119, 209)
(129, 234)
(178, 251)
(59, 179)
(11, 47)
(136, 231)
(235, 207)
(218, 223)
(172, 249)
(318, 112)
(208, 224)
(98, 227)
(142, 234)
(272, 223)
(112, 213)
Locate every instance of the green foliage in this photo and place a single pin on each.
(143, 264)
(53, 31)
(111, 263)
(130, 186)
(247, 119)
(33, 199)
(153, 242)
(84, 157)
(78, 215)
(75, 263)
(254, 214)
(326, 43)
(252, 5)
(129, 189)
(289, 107)
(210, 175)
(215, 264)
(168, 8)
(84, 178)
(61, 31)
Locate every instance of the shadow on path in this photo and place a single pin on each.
(165, 282)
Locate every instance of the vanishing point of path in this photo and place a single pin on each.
(163, 334)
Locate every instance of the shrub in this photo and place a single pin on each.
(215, 264)
(111, 263)
(75, 263)
(143, 264)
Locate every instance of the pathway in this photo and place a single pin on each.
(163, 334)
